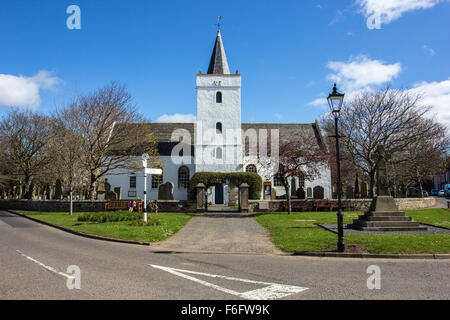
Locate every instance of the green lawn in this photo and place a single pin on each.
(170, 223)
(291, 235)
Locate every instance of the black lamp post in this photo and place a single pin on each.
(335, 100)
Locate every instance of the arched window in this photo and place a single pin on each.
(219, 153)
(278, 180)
(157, 180)
(183, 177)
(218, 127)
(219, 97)
(250, 168)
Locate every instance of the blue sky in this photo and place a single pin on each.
(288, 52)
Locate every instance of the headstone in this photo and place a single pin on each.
(349, 194)
(318, 192)
(364, 190)
(118, 191)
(309, 193)
(165, 191)
(357, 190)
(301, 194)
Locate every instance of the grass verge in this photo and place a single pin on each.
(295, 233)
(170, 223)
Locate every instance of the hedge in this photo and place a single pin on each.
(210, 179)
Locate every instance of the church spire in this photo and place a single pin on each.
(218, 63)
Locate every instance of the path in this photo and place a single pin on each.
(240, 234)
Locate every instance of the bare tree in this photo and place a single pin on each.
(95, 119)
(388, 117)
(25, 137)
(302, 157)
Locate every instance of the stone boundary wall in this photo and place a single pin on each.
(358, 204)
(190, 206)
(177, 206)
(87, 205)
(53, 205)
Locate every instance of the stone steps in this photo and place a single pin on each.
(384, 218)
(358, 227)
(384, 214)
(393, 224)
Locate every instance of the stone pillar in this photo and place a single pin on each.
(243, 192)
(201, 201)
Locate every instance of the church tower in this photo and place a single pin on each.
(218, 145)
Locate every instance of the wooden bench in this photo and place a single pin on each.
(122, 205)
(322, 204)
(302, 205)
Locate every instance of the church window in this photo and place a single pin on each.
(132, 182)
(183, 177)
(219, 153)
(250, 168)
(219, 97)
(218, 127)
(157, 179)
(277, 180)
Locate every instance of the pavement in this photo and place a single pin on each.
(441, 202)
(34, 261)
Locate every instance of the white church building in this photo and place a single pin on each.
(218, 142)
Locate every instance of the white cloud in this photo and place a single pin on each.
(177, 117)
(358, 74)
(437, 95)
(361, 72)
(23, 92)
(389, 10)
(430, 50)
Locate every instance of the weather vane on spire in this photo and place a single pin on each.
(218, 22)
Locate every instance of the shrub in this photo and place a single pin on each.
(235, 179)
(151, 221)
(109, 217)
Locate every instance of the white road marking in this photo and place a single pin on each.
(271, 291)
(46, 267)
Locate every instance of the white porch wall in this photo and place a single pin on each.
(121, 178)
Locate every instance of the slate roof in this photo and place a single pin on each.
(163, 132)
(218, 63)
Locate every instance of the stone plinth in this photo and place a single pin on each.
(383, 215)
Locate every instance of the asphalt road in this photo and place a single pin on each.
(34, 259)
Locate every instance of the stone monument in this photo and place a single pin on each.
(383, 214)
(165, 191)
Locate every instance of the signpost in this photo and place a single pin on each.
(145, 157)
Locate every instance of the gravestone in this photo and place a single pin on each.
(165, 191)
(301, 194)
(364, 190)
(118, 191)
(383, 214)
(349, 194)
(357, 190)
(318, 192)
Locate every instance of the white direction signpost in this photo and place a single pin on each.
(145, 157)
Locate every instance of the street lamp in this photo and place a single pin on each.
(335, 100)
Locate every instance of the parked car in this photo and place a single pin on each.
(434, 192)
(446, 190)
(441, 193)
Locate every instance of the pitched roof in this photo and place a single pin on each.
(163, 131)
(218, 63)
